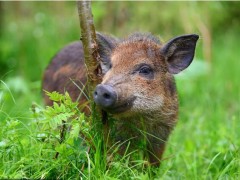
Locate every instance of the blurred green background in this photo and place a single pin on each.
(32, 32)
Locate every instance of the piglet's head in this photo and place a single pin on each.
(138, 73)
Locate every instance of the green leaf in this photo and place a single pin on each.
(55, 96)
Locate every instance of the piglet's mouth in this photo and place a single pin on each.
(120, 107)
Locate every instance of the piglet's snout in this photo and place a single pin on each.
(105, 96)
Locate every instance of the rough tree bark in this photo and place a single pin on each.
(88, 37)
(92, 58)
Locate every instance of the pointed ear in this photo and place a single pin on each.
(105, 46)
(179, 52)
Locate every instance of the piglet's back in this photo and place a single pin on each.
(66, 72)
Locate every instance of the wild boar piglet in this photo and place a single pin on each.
(138, 88)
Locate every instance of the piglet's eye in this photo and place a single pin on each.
(145, 70)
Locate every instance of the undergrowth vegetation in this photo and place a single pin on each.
(61, 142)
(46, 145)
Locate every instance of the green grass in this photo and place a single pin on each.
(204, 145)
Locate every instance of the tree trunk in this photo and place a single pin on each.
(92, 58)
(88, 37)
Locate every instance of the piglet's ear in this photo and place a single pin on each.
(105, 46)
(179, 52)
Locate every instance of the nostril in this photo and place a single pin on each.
(95, 93)
(106, 96)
